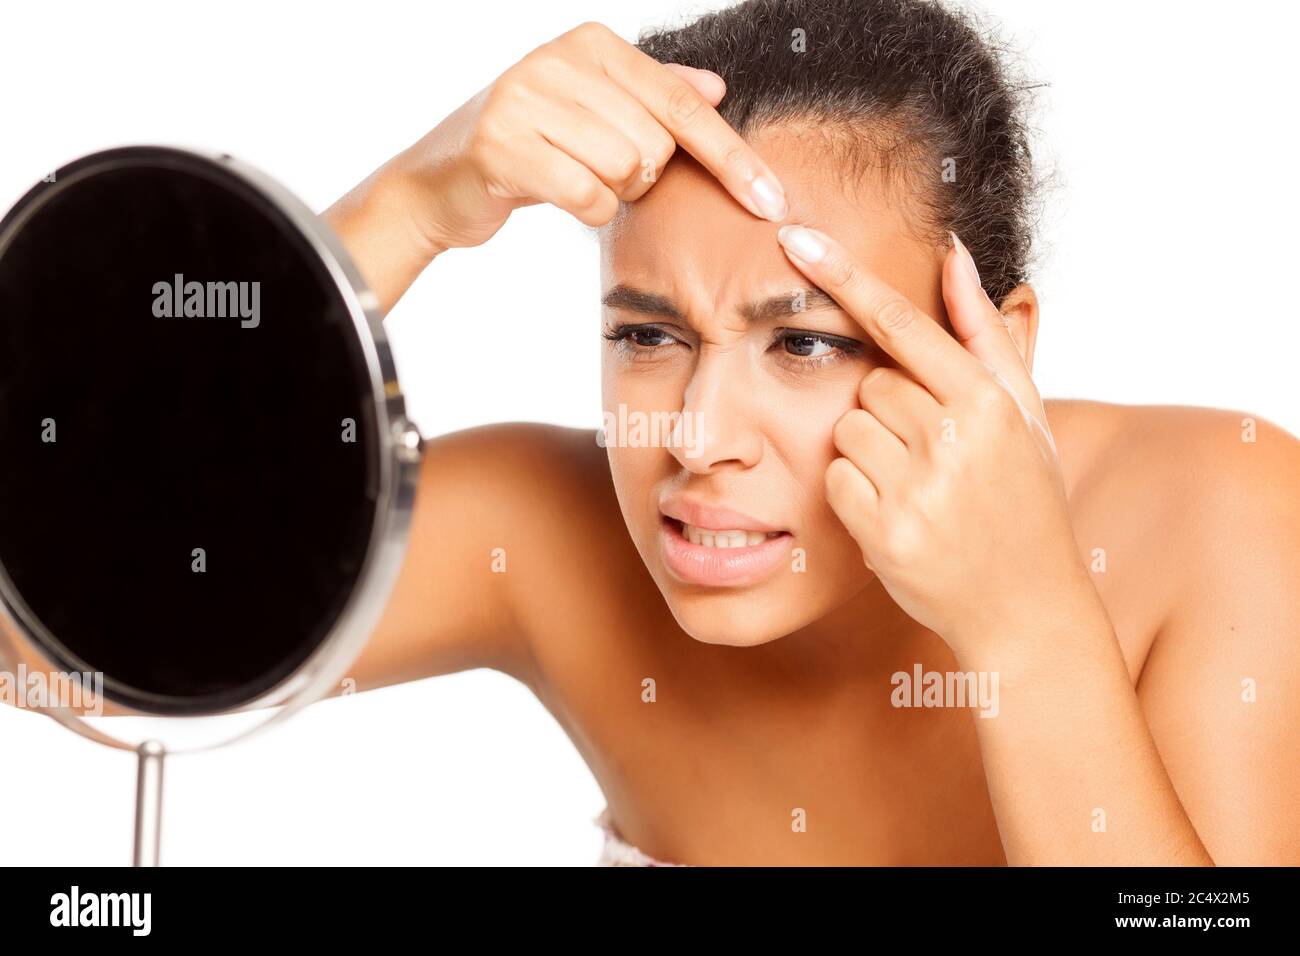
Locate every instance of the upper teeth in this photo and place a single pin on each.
(722, 539)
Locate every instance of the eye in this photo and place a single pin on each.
(640, 337)
(649, 337)
(808, 346)
(801, 348)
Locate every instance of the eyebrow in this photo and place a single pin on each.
(632, 299)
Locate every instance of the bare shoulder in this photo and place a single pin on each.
(1177, 506)
(523, 457)
(1209, 493)
(1200, 470)
(507, 521)
(1207, 505)
(542, 493)
(583, 603)
(547, 492)
(1224, 487)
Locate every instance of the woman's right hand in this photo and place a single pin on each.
(582, 122)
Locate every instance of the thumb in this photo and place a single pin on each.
(980, 327)
(707, 83)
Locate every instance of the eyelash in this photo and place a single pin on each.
(623, 336)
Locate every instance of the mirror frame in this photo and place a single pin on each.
(399, 448)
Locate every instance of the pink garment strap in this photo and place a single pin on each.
(617, 851)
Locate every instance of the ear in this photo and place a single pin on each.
(1020, 312)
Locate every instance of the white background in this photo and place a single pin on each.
(1168, 259)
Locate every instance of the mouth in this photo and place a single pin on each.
(722, 557)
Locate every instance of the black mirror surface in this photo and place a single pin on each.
(189, 457)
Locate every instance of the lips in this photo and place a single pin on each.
(713, 517)
(718, 547)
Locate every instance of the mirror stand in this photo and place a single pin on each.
(148, 802)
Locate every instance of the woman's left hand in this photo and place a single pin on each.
(949, 479)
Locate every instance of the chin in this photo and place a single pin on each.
(719, 620)
(737, 618)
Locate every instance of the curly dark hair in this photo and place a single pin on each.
(910, 87)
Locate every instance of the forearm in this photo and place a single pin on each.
(375, 223)
(1072, 769)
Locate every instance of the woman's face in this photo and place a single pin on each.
(704, 316)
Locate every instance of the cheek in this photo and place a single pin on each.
(629, 396)
(637, 474)
(648, 388)
(632, 469)
(802, 437)
(802, 433)
(628, 399)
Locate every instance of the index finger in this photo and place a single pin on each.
(697, 127)
(916, 341)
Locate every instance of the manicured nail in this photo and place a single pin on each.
(803, 242)
(769, 197)
(966, 256)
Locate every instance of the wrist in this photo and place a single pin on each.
(403, 192)
(376, 225)
(1059, 624)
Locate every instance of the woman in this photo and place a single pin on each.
(764, 629)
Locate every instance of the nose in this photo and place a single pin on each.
(717, 429)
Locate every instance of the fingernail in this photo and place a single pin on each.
(717, 82)
(803, 242)
(717, 86)
(966, 256)
(769, 197)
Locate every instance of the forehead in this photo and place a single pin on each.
(688, 239)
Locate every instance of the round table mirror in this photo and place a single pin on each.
(206, 471)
